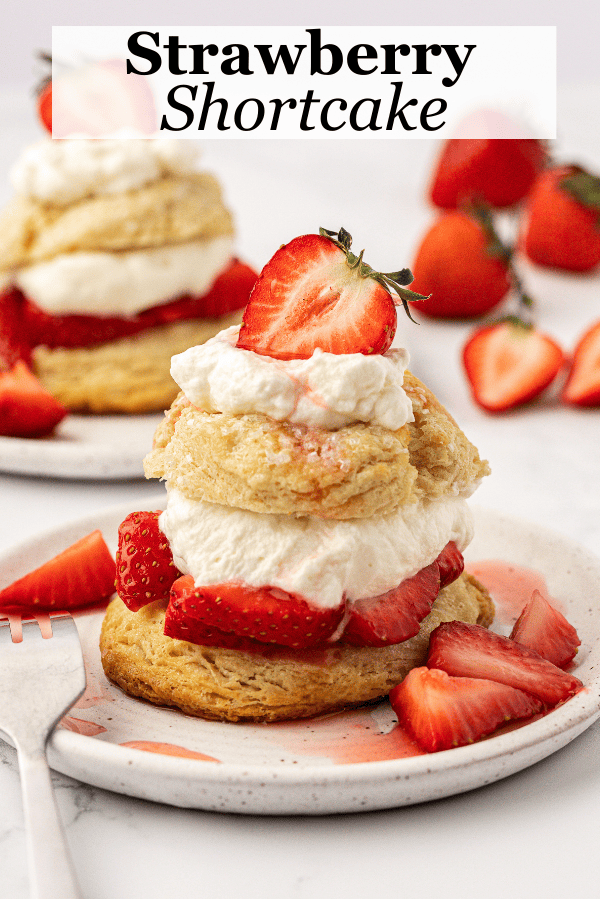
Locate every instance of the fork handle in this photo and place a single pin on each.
(51, 871)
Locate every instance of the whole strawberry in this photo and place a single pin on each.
(496, 171)
(461, 266)
(315, 293)
(145, 567)
(562, 229)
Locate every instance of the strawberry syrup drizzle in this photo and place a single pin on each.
(511, 587)
(168, 750)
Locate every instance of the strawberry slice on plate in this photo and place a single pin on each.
(471, 651)
(510, 363)
(27, 409)
(266, 615)
(82, 575)
(442, 711)
(542, 628)
(582, 387)
(315, 293)
(145, 567)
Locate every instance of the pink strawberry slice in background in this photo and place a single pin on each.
(471, 651)
(82, 575)
(315, 293)
(544, 629)
(509, 364)
(442, 711)
(100, 99)
(145, 567)
(263, 614)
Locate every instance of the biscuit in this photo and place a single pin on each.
(222, 684)
(255, 463)
(129, 375)
(167, 211)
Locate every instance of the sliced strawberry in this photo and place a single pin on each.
(544, 629)
(263, 614)
(510, 363)
(562, 220)
(315, 293)
(14, 339)
(450, 563)
(462, 267)
(181, 625)
(441, 711)
(26, 408)
(82, 575)
(145, 567)
(496, 171)
(395, 616)
(471, 651)
(583, 383)
(229, 292)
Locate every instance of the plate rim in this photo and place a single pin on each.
(537, 739)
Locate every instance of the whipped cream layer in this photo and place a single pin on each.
(320, 559)
(62, 172)
(325, 391)
(125, 283)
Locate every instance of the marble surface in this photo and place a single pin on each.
(531, 835)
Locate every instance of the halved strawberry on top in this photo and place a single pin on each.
(232, 614)
(315, 293)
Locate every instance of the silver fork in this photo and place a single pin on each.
(41, 677)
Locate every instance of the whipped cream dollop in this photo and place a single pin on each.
(323, 560)
(61, 172)
(125, 283)
(325, 391)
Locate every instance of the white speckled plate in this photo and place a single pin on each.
(347, 762)
(84, 447)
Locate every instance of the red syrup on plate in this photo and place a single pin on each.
(168, 750)
(511, 587)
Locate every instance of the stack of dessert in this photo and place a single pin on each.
(116, 254)
(316, 512)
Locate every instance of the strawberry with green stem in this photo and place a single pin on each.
(510, 362)
(315, 293)
(562, 225)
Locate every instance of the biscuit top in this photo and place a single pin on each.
(63, 172)
(327, 390)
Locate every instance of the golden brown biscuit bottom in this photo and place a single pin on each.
(229, 685)
(255, 463)
(129, 375)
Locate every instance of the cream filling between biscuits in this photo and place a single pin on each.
(124, 283)
(320, 559)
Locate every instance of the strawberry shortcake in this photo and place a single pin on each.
(116, 255)
(316, 507)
